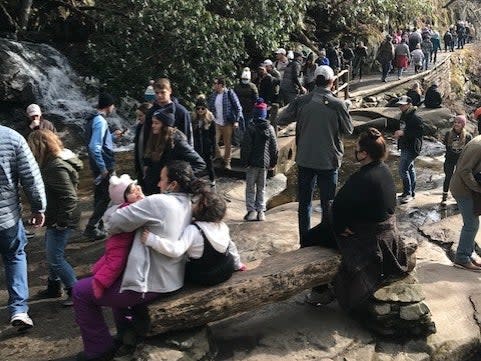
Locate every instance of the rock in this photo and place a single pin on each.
(381, 309)
(152, 353)
(405, 293)
(414, 311)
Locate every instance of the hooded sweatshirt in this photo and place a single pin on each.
(259, 145)
(192, 242)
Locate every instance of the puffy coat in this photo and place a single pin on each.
(259, 146)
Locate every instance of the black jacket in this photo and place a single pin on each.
(259, 146)
(204, 139)
(61, 180)
(412, 140)
(433, 97)
(268, 89)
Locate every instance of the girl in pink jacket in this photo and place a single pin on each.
(123, 191)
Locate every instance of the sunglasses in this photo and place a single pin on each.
(200, 108)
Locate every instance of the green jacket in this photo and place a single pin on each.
(60, 176)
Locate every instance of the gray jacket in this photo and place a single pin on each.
(321, 119)
(165, 215)
(17, 164)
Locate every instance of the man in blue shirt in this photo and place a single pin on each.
(102, 164)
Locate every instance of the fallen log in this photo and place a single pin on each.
(272, 279)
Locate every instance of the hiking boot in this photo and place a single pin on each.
(21, 321)
(261, 216)
(469, 266)
(406, 199)
(94, 234)
(68, 302)
(53, 290)
(444, 199)
(250, 216)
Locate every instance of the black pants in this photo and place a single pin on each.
(101, 202)
(449, 166)
(207, 157)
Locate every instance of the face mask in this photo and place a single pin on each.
(356, 155)
(245, 81)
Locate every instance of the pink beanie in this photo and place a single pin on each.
(118, 186)
(460, 118)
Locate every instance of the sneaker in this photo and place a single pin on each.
(250, 216)
(406, 199)
(319, 298)
(476, 260)
(469, 266)
(227, 166)
(261, 216)
(94, 234)
(21, 321)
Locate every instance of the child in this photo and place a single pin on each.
(213, 257)
(203, 129)
(258, 154)
(139, 143)
(123, 191)
(417, 57)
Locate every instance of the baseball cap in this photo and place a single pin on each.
(326, 71)
(33, 109)
(281, 51)
(268, 62)
(404, 100)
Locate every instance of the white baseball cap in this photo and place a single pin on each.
(268, 62)
(281, 51)
(326, 71)
(33, 109)
(404, 100)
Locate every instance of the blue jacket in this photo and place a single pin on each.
(101, 146)
(231, 106)
(17, 164)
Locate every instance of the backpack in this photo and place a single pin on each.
(88, 130)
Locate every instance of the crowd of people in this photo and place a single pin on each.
(167, 226)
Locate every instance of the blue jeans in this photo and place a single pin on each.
(326, 181)
(407, 171)
(426, 61)
(58, 267)
(12, 247)
(468, 232)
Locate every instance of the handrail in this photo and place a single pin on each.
(343, 76)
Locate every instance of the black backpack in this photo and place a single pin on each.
(88, 129)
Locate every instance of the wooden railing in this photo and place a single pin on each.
(341, 83)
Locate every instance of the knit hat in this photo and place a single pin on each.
(201, 101)
(246, 73)
(260, 109)
(166, 115)
(118, 186)
(105, 100)
(33, 109)
(460, 118)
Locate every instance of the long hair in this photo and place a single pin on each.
(181, 172)
(158, 143)
(44, 144)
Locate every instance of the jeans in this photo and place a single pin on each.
(426, 61)
(326, 181)
(468, 232)
(400, 72)
(12, 247)
(407, 171)
(101, 202)
(58, 267)
(89, 317)
(256, 189)
(449, 166)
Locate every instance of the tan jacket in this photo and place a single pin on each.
(463, 183)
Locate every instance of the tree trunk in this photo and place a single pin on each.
(273, 279)
(24, 13)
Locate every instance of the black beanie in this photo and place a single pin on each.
(166, 115)
(201, 102)
(105, 100)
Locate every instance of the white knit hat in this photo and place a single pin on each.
(246, 73)
(33, 109)
(118, 186)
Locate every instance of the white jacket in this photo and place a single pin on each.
(193, 243)
(165, 215)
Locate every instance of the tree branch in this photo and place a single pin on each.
(81, 10)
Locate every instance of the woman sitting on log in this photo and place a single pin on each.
(363, 228)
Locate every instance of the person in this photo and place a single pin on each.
(271, 70)
(417, 57)
(347, 56)
(322, 59)
(385, 56)
(59, 168)
(268, 85)
(149, 94)
(281, 62)
(427, 48)
(333, 56)
(363, 229)
(410, 141)
(258, 153)
(102, 163)
(148, 274)
(435, 39)
(465, 189)
(433, 97)
(36, 120)
(212, 255)
(291, 87)
(448, 41)
(247, 93)
(415, 38)
(203, 125)
(360, 55)
(308, 73)
(139, 140)
(123, 192)
(477, 118)
(164, 99)
(455, 140)
(319, 144)
(227, 110)
(166, 143)
(401, 57)
(415, 93)
(18, 167)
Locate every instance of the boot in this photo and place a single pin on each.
(68, 302)
(53, 290)
(444, 199)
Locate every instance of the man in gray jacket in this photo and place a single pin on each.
(321, 119)
(17, 165)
